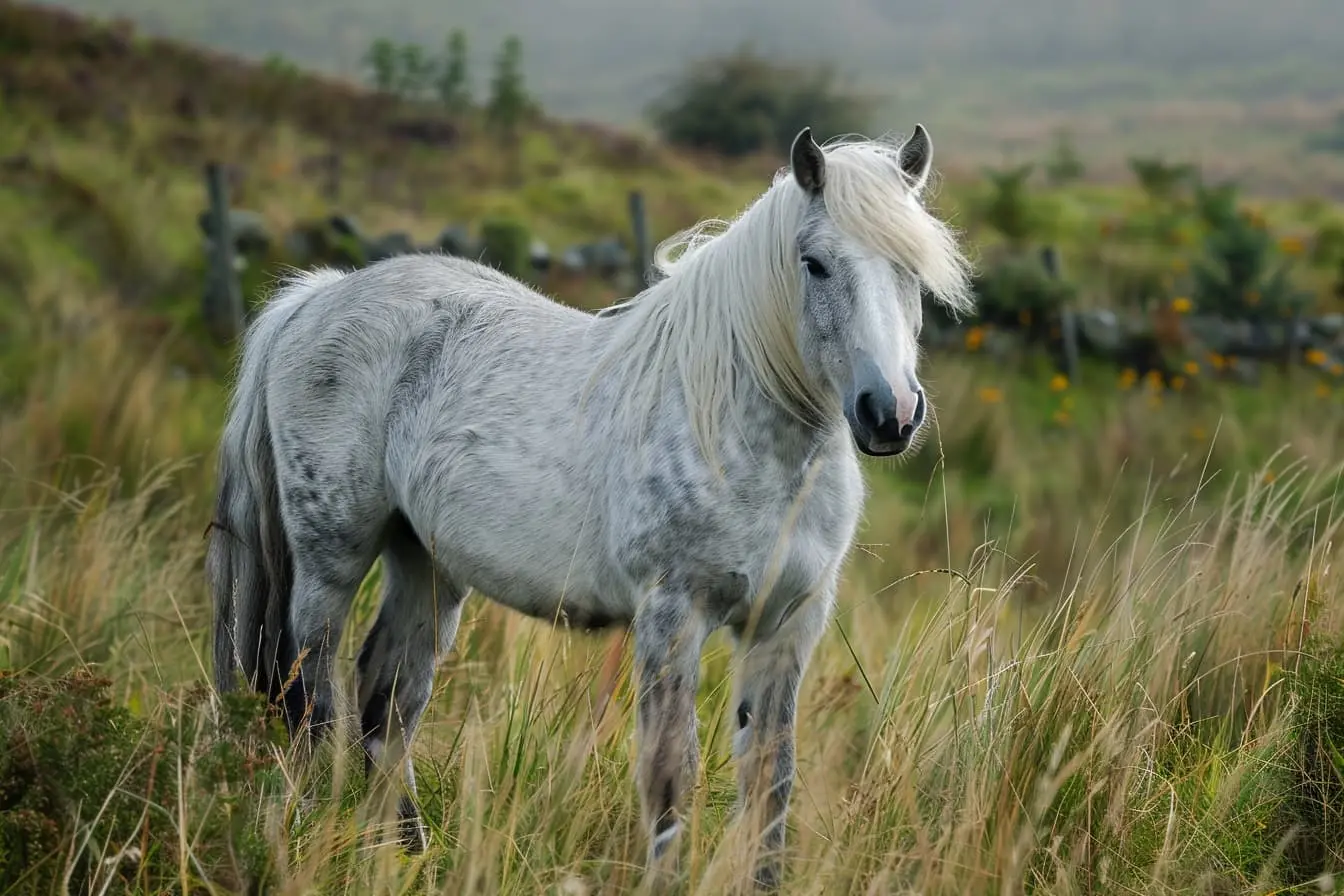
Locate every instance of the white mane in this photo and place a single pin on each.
(734, 296)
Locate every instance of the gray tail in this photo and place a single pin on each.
(248, 561)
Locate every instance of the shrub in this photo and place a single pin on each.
(742, 103)
(1314, 805)
(1018, 290)
(83, 777)
(1159, 179)
(1009, 209)
(1064, 165)
(505, 244)
(1328, 247)
(1242, 273)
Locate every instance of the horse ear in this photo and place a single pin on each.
(809, 163)
(916, 158)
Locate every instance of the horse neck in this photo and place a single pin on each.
(763, 407)
(767, 429)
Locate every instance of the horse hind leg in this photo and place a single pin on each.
(416, 625)
(331, 557)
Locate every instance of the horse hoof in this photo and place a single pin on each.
(767, 878)
(413, 837)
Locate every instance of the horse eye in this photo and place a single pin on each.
(815, 268)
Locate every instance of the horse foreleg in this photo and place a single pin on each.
(669, 635)
(767, 683)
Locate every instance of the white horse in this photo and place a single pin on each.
(678, 463)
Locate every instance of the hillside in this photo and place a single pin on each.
(1237, 85)
(1088, 640)
(70, 85)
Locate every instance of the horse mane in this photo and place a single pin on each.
(728, 292)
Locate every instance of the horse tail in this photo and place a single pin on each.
(248, 562)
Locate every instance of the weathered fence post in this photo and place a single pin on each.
(1068, 322)
(1292, 343)
(222, 305)
(640, 225)
(332, 187)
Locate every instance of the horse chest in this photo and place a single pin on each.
(777, 542)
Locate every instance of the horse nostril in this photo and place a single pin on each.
(920, 408)
(868, 412)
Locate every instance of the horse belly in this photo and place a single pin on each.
(522, 535)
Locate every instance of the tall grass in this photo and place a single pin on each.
(1089, 642)
(1093, 660)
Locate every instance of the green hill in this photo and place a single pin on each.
(1235, 85)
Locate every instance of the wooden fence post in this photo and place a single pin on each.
(334, 167)
(1292, 346)
(1068, 321)
(222, 304)
(640, 225)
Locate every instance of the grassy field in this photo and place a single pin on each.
(1090, 641)
(1129, 680)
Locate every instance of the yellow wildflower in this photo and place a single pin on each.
(1316, 358)
(1182, 305)
(1291, 245)
(1128, 377)
(975, 337)
(1217, 360)
(1178, 382)
(1192, 368)
(991, 395)
(1337, 369)
(1154, 379)
(1062, 417)
(1198, 433)
(1059, 382)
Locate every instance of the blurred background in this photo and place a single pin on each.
(1134, 453)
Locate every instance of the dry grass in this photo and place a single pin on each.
(1125, 684)
(1114, 713)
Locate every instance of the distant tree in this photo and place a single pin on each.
(1242, 273)
(1009, 208)
(454, 83)
(741, 103)
(1064, 165)
(509, 102)
(1217, 205)
(383, 64)
(1159, 179)
(415, 71)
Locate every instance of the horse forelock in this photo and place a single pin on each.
(869, 200)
